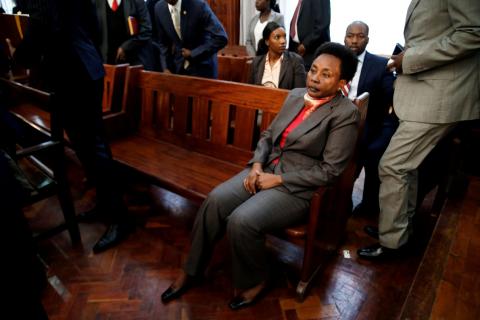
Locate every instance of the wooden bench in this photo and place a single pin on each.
(114, 83)
(192, 133)
(234, 68)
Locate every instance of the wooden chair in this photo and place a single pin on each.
(232, 68)
(44, 152)
(330, 209)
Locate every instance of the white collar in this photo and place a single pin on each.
(361, 57)
(177, 6)
(111, 1)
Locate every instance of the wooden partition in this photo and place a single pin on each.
(228, 12)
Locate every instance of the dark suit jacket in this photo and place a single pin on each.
(313, 27)
(378, 81)
(317, 151)
(292, 71)
(62, 35)
(138, 47)
(202, 33)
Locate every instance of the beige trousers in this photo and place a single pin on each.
(409, 146)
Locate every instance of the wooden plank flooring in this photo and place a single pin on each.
(126, 282)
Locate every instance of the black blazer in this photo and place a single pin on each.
(313, 27)
(378, 81)
(292, 71)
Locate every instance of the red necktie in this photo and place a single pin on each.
(293, 23)
(114, 5)
(345, 89)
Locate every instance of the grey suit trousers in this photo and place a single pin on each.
(246, 218)
(409, 146)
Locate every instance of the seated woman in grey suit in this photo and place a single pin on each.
(274, 66)
(259, 21)
(306, 146)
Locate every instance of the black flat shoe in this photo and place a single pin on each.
(239, 302)
(172, 293)
(112, 236)
(377, 252)
(371, 231)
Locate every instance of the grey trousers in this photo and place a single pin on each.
(409, 146)
(246, 219)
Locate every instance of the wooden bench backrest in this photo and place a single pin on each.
(232, 68)
(214, 117)
(113, 86)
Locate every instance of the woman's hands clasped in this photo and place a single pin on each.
(258, 180)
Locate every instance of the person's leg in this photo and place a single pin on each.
(264, 212)
(211, 220)
(408, 147)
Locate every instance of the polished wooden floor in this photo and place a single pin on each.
(126, 282)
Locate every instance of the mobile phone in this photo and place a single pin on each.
(398, 48)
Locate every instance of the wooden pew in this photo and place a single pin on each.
(192, 133)
(114, 83)
(234, 68)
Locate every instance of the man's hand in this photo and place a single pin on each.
(186, 53)
(301, 49)
(395, 62)
(121, 56)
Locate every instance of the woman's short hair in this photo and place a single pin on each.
(348, 58)
(267, 31)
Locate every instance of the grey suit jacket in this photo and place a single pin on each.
(250, 43)
(317, 151)
(292, 71)
(441, 66)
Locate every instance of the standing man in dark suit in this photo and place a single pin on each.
(309, 28)
(372, 76)
(61, 37)
(189, 35)
(126, 32)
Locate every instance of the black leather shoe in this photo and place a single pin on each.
(239, 302)
(114, 235)
(371, 231)
(175, 293)
(376, 252)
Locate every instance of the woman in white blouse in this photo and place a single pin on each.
(259, 21)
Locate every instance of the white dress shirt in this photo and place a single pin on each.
(110, 2)
(352, 94)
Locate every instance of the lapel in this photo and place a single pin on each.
(168, 23)
(363, 73)
(184, 19)
(261, 69)
(411, 7)
(283, 67)
(312, 121)
(292, 110)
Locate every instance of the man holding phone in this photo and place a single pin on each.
(437, 87)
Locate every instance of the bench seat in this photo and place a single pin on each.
(185, 172)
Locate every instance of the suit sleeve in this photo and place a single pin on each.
(464, 40)
(216, 36)
(300, 77)
(320, 10)
(144, 27)
(249, 43)
(338, 151)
